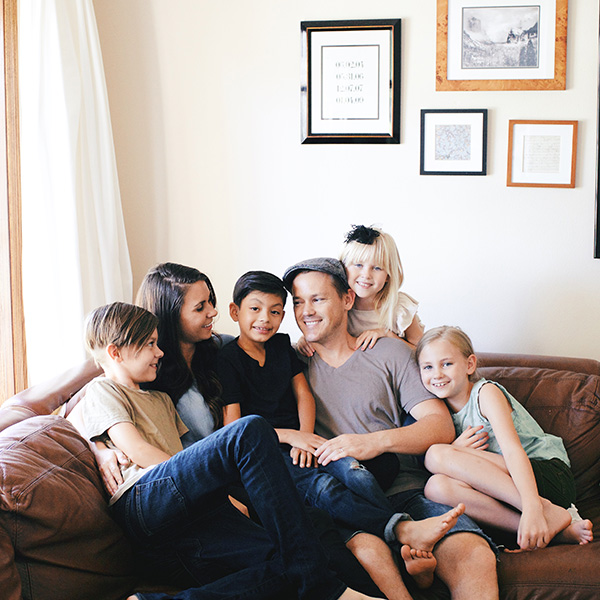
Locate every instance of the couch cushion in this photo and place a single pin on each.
(54, 517)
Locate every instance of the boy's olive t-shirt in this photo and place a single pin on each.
(107, 403)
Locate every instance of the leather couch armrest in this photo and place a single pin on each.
(10, 581)
(9, 415)
(45, 397)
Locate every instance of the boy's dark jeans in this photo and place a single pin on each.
(182, 524)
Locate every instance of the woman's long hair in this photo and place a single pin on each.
(162, 292)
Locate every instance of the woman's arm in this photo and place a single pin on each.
(128, 439)
(533, 529)
(108, 461)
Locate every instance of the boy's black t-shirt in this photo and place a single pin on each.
(267, 390)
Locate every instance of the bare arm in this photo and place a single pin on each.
(108, 461)
(303, 442)
(414, 332)
(433, 426)
(533, 529)
(305, 401)
(231, 413)
(127, 438)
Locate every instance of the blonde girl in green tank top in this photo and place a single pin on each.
(502, 466)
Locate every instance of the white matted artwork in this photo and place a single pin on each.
(501, 45)
(351, 83)
(541, 153)
(453, 142)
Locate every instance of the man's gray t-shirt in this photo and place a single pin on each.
(372, 391)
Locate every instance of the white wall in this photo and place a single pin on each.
(205, 106)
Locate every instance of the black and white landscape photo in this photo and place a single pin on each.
(500, 37)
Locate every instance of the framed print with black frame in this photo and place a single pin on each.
(350, 88)
(501, 45)
(454, 141)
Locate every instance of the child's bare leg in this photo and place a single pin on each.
(489, 511)
(377, 559)
(420, 565)
(484, 471)
(425, 534)
(479, 506)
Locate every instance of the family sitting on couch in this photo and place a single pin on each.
(359, 397)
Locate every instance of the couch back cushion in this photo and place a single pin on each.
(566, 404)
(57, 538)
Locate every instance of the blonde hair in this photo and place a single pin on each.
(120, 324)
(456, 336)
(383, 252)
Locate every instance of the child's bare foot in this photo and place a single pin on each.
(351, 594)
(424, 535)
(578, 532)
(556, 517)
(420, 565)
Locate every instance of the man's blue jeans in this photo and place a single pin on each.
(349, 493)
(183, 526)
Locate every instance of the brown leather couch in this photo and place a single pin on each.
(57, 540)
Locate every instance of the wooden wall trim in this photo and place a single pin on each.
(13, 359)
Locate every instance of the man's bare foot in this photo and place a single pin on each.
(424, 535)
(351, 594)
(420, 565)
(134, 597)
(578, 532)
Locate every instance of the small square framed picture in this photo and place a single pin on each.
(542, 153)
(454, 141)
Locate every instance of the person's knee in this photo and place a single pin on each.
(437, 456)
(469, 551)
(253, 423)
(367, 548)
(440, 488)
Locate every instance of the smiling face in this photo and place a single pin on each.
(445, 372)
(366, 280)
(259, 316)
(197, 314)
(320, 312)
(139, 365)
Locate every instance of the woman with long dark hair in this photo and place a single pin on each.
(184, 301)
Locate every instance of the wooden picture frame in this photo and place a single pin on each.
(350, 88)
(541, 153)
(547, 40)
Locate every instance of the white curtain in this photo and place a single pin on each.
(75, 254)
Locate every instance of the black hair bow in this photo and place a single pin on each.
(362, 235)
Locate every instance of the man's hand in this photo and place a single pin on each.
(472, 437)
(361, 446)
